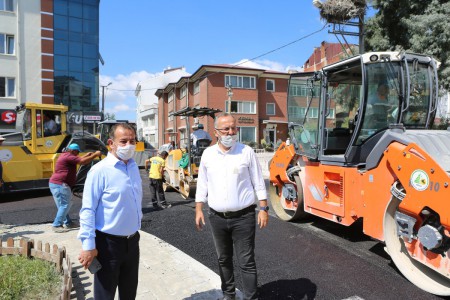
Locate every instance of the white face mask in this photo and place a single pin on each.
(228, 140)
(125, 152)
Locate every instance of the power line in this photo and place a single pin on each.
(248, 60)
(281, 47)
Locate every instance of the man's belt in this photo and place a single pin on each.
(234, 214)
(117, 236)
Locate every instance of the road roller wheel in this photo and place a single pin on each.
(287, 210)
(419, 274)
(166, 186)
(186, 190)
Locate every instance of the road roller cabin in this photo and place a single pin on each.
(361, 146)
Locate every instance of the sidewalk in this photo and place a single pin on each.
(164, 271)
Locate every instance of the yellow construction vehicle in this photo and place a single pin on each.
(28, 156)
(142, 153)
(183, 178)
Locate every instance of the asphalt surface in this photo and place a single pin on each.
(315, 259)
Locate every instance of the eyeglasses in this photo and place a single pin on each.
(226, 129)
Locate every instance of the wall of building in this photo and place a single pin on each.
(24, 23)
(214, 94)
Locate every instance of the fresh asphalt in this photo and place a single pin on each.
(315, 259)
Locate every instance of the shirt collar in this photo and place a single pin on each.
(112, 160)
(228, 151)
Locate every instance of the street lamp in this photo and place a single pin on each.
(103, 98)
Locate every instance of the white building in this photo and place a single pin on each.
(20, 25)
(36, 64)
(147, 103)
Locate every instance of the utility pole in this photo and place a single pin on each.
(230, 94)
(103, 98)
(339, 25)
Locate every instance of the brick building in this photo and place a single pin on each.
(326, 54)
(258, 102)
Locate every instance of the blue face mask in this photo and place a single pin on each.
(228, 141)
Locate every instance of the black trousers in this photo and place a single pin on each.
(119, 258)
(236, 234)
(157, 192)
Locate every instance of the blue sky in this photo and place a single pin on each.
(141, 38)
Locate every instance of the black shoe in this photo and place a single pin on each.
(156, 207)
(167, 205)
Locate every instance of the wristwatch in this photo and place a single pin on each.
(264, 208)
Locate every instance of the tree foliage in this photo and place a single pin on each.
(419, 26)
(110, 116)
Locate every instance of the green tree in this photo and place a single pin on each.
(110, 116)
(419, 26)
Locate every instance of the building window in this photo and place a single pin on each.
(151, 121)
(6, 5)
(331, 114)
(183, 91)
(313, 112)
(270, 109)
(302, 91)
(6, 43)
(242, 107)
(247, 134)
(197, 87)
(243, 82)
(270, 85)
(171, 97)
(170, 118)
(151, 138)
(7, 87)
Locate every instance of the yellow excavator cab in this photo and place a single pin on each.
(28, 156)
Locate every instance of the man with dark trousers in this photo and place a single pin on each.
(229, 180)
(111, 216)
(156, 174)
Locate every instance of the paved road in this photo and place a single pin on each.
(315, 259)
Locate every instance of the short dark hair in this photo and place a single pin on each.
(127, 126)
(163, 154)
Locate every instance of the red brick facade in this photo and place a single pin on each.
(326, 54)
(249, 103)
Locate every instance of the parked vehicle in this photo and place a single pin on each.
(183, 178)
(28, 156)
(349, 157)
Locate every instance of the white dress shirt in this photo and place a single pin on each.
(228, 181)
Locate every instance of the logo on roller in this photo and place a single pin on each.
(419, 180)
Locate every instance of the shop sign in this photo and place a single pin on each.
(246, 120)
(78, 117)
(7, 116)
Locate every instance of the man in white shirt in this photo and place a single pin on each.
(50, 127)
(229, 178)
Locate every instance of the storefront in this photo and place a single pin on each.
(83, 121)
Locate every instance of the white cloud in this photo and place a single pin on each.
(119, 96)
(122, 107)
(266, 65)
